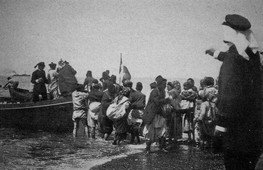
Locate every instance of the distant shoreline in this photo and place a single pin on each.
(21, 75)
(17, 75)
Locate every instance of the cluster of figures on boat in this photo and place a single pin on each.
(227, 114)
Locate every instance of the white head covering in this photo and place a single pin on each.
(241, 39)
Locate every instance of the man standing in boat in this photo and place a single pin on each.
(39, 80)
(67, 82)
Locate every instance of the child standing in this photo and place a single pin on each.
(79, 109)
(188, 96)
(95, 97)
(206, 119)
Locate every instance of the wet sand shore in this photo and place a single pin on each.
(33, 150)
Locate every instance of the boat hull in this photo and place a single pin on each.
(53, 115)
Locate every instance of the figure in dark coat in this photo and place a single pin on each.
(155, 124)
(39, 80)
(67, 82)
(137, 100)
(239, 95)
(106, 125)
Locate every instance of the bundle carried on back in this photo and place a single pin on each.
(118, 108)
(94, 109)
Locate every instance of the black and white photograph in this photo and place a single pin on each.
(131, 84)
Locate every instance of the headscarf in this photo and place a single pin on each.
(241, 39)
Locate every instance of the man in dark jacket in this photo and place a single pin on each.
(137, 100)
(239, 83)
(39, 80)
(155, 124)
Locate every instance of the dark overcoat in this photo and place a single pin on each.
(239, 100)
(39, 87)
(154, 105)
(137, 100)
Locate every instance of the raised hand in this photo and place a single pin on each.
(210, 51)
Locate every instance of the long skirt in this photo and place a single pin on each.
(156, 129)
(105, 124)
(174, 124)
(121, 128)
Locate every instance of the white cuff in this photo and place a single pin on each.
(216, 53)
(220, 128)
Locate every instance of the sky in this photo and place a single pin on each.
(155, 37)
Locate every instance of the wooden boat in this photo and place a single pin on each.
(20, 95)
(49, 115)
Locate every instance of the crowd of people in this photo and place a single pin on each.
(223, 114)
(161, 116)
(61, 81)
(227, 115)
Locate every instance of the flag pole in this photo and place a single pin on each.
(120, 69)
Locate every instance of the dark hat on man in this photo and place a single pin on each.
(127, 83)
(40, 64)
(159, 80)
(237, 22)
(52, 64)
